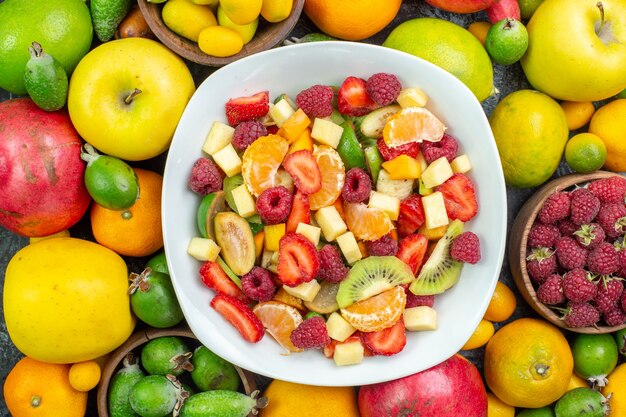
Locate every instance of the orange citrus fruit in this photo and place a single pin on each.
(497, 408)
(333, 177)
(84, 376)
(576, 382)
(609, 122)
(412, 124)
(279, 320)
(35, 388)
(135, 231)
(484, 331)
(351, 20)
(367, 223)
(528, 363)
(479, 29)
(378, 312)
(260, 162)
(617, 388)
(577, 113)
(502, 304)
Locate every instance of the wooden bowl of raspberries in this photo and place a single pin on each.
(568, 255)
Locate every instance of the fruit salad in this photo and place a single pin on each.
(332, 219)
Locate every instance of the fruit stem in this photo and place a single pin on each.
(35, 50)
(181, 394)
(89, 153)
(138, 281)
(35, 401)
(130, 361)
(541, 369)
(182, 362)
(261, 402)
(601, 7)
(508, 25)
(132, 95)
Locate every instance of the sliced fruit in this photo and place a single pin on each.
(412, 124)
(420, 318)
(279, 320)
(300, 212)
(411, 251)
(214, 277)
(367, 223)
(246, 205)
(284, 297)
(234, 236)
(326, 132)
(241, 109)
(387, 203)
(203, 249)
(325, 302)
(294, 126)
(386, 342)
(304, 141)
(329, 349)
(411, 149)
(228, 271)
(348, 353)
(210, 205)
(298, 261)
(303, 168)
(353, 99)
(333, 177)
(305, 291)
(349, 148)
(219, 136)
(403, 167)
(283, 178)
(349, 247)
(373, 160)
(400, 189)
(378, 312)
(459, 197)
(261, 161)
(313, 233)
(461, 164)
(338, 328)
(412, 97)
(440, 271)
(281, 111)
(374, 122)
(273, 234)
(435, 211)
(411, 216)
(437, 173)
(372, 276)
(229, 184)
(240, 316)
(331, 223)
(228, 160)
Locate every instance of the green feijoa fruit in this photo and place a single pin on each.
(595, 356)
(106, 16)
(153, 300)
(349, 148)
(373, 160)
(372, 124)
(156, 395)
(120, 386)
(582, 402)
(158, 263)
(212, 372)
(235, 238)
(45, 79)
(620, 338)
(507, 41)
(220, 403)
(230, 183)
(256, 224)
(166, 355)
(537, 412)
(210, 205)
(111, 182)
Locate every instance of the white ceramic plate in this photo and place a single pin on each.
(290, 70)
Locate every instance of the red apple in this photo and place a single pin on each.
(42, 190)
(461, 6)
(453, 388)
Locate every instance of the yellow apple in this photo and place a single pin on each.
(127, 96)
(577, 49)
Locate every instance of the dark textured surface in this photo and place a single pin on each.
(507, 79)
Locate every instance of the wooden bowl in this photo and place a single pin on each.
(267, 35)
(518, 247)
(137, 339)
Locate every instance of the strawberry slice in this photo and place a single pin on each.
(241, 109)
(411, 149)
(214, 277)
(303, 168)
(411, 251)
(388, 341)
(240, 316)
(298, 261)
(300, 212)
(353, 99)
(459, 197)
(411, 215)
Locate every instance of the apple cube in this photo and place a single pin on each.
(386, 203)
(434, 210)
(403, 167)
(281, 111)
(227, 159)
(312, 233)
(219, 136)
(244, 201)
(306, 291)
(338, 328)
(420, 318)
(203, 249)
(437, 172)
(349, 247)
(348, 353)
(422, 160)
(331, 223)
(412, 97)
(273, 233)
(326, 132)
(461, 164)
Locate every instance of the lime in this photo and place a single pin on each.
(62, 28)
(528, 7)
(537, 412)
(585, 152)
(448, 46)
(507, 41)
(582, 402)
(595, 356)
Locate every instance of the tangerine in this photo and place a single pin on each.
(279, 320)
(609, 122)
(333, 177)
(84, 376)
(498, 408)
(412, 124)
(617, 389)
(260, 163)
(367, 223)
(484, 331)
(502, 304)
(378, 312)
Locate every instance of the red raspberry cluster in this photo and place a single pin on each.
(577, 253)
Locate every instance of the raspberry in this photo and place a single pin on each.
(383, 88)
(570, 254)
(413, 300)
(332, 268)
(411, 149)
(609, 190)
(258, 285)
(578, 286)
(205, 177)
(246, 133)
(385, 246)
(551, 291)
(555, 208)
(274, 205)
(621, 256)
(590, 235)
(357, 186)
(612, 218)
(581, 315)
(567, 227)
(612, 287)
(540, 264)
(466, 248)
(310, 334)
(544, 235)
(614, 317)
(603, 302)
(447, 147)
(316, 101)
(603, 259)
(584, 206)
(622, 301)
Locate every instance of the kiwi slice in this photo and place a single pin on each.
(325, 302)
(371, 276)
(440, 271)
(230, 183)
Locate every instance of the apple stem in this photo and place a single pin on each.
(132, 95)
(601, 7)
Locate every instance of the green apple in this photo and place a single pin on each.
(127, 96)
(577, 49)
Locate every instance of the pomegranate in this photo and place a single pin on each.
(41, 174)
(453, 388)
(461, 6)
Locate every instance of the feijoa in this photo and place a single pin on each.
(595, 356)
(158, 263)
(220, 403)
(45, 79)
(166, 355)
(620, 338)
(583, 402)
(234, 236)
(120, 386)
(210, 205)
(211, 372)
(153, 300)
(156, 395)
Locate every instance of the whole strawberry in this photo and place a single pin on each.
(543, 235)
(570, 254)
(612, 218)
(603, 259)
(584, 206)
(590, 235)
(555, 208)
(540, 264)
(578, 286)
(581, 315)
(609, 190)
(551, 291)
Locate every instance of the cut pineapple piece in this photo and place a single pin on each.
(219, 136)
(420, 318)
(403, 167)
(412, 97)
(312, 233)
(244, 201)
(306, 291)
(203, 249)
(331, 223)
(386, 203)
(437, 172)
(326, 132)
(294, 126)
(338, 328)
(228, 160)
(400, 189)
(349, 247)
(281, 111)
(348, 353)
(461, 164)
(435, 210)
(273, 233)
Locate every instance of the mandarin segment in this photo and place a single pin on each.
(412, 124)
(378, 312)
(261, 161)
(333, 177)
(279, 320)
(367, 223)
